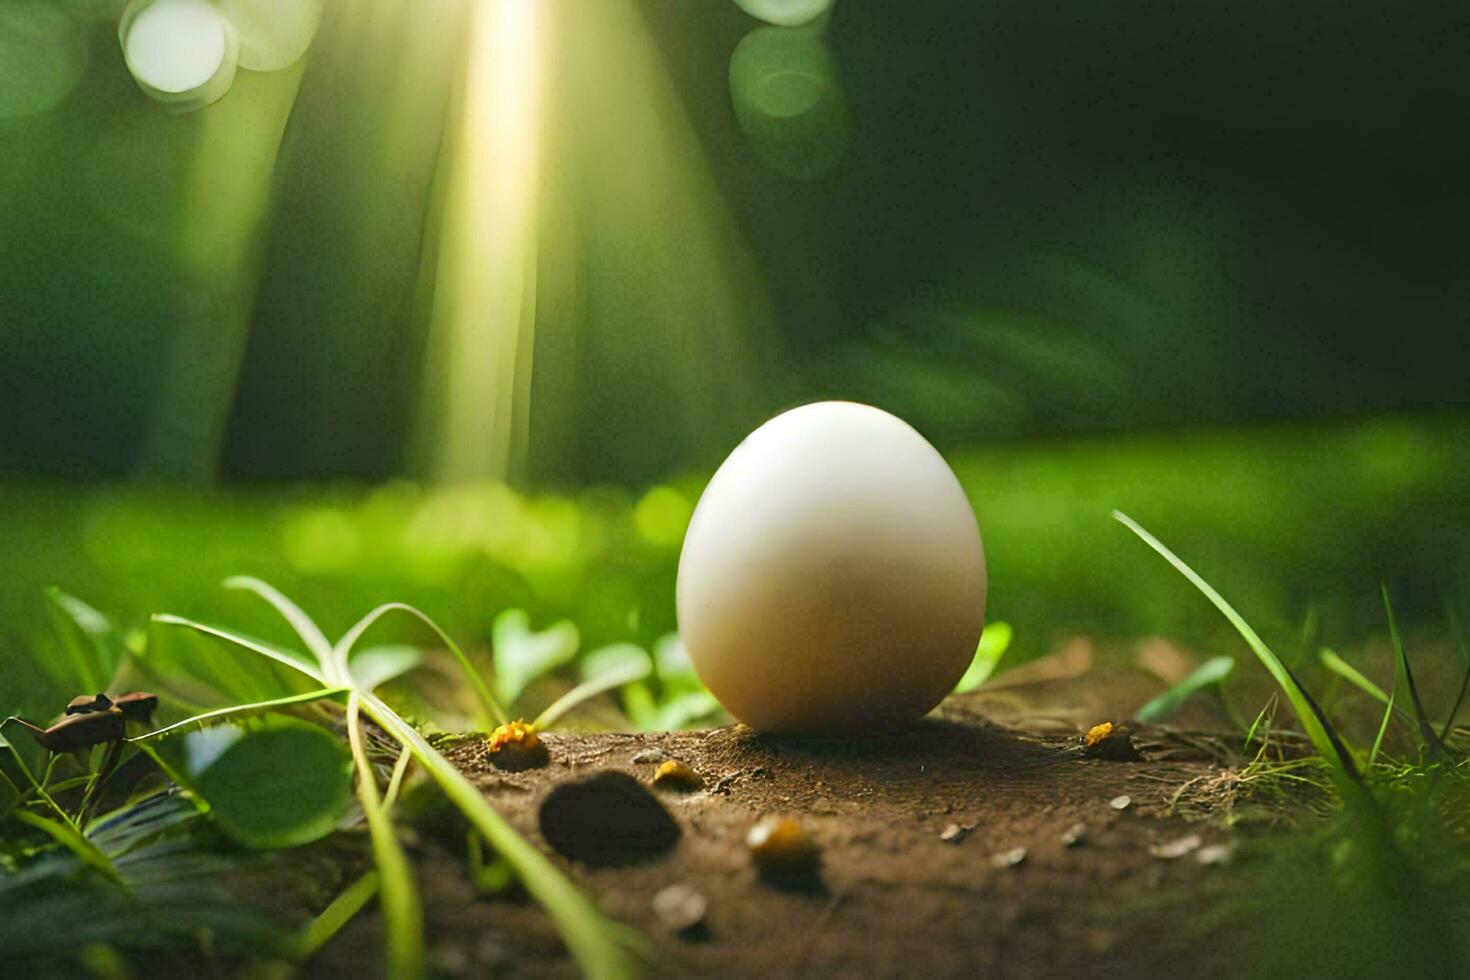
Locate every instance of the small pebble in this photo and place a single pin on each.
(680, 908)
(676, 775)
(1120, 802)
(649, 756)
(1009, 859)
(780, 848)
(955, 833)
(1074, 835)
(1215, 854)
(1176, 848)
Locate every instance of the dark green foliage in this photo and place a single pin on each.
(281, 784)
(1206, 675)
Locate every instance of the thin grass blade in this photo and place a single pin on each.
(600, 946)
(1267, 712)
(311, 635)
(625, 673)
(1382, 727)
(349, 640)
(995, 639)
(395, 780)
(403, 913)
(1427, 735)
(261, 647)
(97, 661)
(336, 915)
(241, 709)
(1449, 722)
(1207, 674)
(1351, 674)
(39, 785)
(1317, 727)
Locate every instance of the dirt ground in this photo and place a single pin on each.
(1014, 888)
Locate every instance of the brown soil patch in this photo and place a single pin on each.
(921, 868)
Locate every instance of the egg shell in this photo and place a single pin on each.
(833, 575)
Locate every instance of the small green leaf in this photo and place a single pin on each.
(93, 647)
(1209, 673)
(994, 642)
(616, 659)
(640, 707)
(281, 785)
(683, 709)
(523, 654)
(376, 666)
(602, 670)
(672, 661)
(202, 749)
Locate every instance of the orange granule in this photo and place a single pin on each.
(1097, 733)
(516, 733)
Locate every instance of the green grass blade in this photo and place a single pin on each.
(403, 914)
(311, 635)
(240, 709)
(395, 781)
(490, 877)
(1427, 735)
(1382, 727)
(1207, 674)
(268, 650)
(600, 946)
(1319, 730)
(1449, 722)
(97, 660)
(995, 640)
(349, 640)
(623, 674)
(67, 836)
(35, 784)
(1261, 716)
(336, 915)
(1351, 674)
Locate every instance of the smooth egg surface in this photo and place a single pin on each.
(832, 576)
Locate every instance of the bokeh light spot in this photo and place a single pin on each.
(181, 52)
(662, 516)
(43, 55)
(784, 87)
(785, 13)
(273, 33)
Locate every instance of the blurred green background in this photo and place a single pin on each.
(1201, 263)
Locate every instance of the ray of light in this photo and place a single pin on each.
(484, 284)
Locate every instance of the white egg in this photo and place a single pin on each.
(832, 576)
